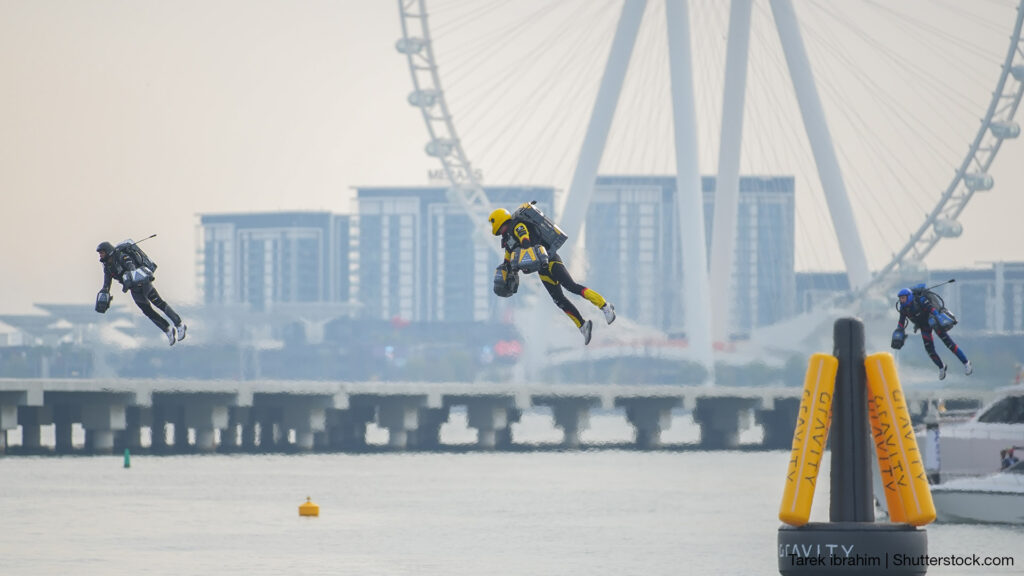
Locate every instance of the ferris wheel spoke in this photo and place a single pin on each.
(997, 125)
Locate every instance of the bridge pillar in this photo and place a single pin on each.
(649, 416)
(400, 415)
(779, 423)
(248, 433)
(719, 420)
(346, 429)
(572, 415)
(181, 444)
(205, 416)
(233, 438)
(247, 430)
(158, 429)
(100, 420)
(428, 435)
(64, 417)
(8, 421)
(306, 419)
(503, 437)
(131, 436)
(267, 434)
(31, 418)
(265, 420)
(490, 417)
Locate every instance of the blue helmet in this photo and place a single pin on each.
(904, 292)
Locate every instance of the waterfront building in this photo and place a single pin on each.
(417, 259)
(633, 249)
(261, 259)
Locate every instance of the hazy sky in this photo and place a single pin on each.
(127, 118)
(123, 119)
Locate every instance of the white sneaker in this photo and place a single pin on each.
(585, 329)
(942, 373)
(609, 312)
(180, 331)
(968, 369)
(171, 337)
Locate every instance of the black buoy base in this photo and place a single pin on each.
(851, 548)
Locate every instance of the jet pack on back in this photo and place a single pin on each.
(139, 258)
(942, 318)
(550, 234)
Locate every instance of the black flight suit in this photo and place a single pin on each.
(115, 265)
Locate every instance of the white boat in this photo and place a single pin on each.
(997, 498)
(972, 448)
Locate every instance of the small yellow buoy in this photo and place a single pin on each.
(309, 509)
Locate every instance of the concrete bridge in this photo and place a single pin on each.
(275, 415)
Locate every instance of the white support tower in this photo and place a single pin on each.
(727, 184)
(574, 211)
(582, 187)
(820, 138)
(689, 196)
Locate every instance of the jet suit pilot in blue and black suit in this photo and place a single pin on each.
(915, 307)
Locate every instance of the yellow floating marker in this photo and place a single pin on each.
(883, 432)
(809, 439)
(905, 461)
(308, 508)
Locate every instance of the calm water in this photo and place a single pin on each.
(587, 513)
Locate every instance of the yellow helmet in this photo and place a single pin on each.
(497, 218)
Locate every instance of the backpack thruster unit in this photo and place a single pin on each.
(551, 235)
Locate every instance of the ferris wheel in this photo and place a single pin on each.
(581, 58)
(972, 175)
(427, 95)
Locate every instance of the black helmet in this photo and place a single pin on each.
(106, 248)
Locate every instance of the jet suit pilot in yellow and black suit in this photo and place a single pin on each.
(517, 233)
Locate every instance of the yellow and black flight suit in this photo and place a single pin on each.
(515, 233)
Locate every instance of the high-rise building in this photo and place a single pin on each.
(262, 259)
(634, 256)
(631, 259)
(813, 288)
(986, 299)
(417, 258)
